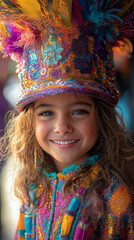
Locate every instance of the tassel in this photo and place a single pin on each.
(66, 224)
(21, 226)
(70, 213)
(28, 226)
(82, 230)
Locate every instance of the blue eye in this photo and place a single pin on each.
(46, 113)
(80, 112)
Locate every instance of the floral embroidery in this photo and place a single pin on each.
(52, 53)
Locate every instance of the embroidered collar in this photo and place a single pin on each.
(69, 170)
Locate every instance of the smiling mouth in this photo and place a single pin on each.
(64, 142)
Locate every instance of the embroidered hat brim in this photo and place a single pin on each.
(70, 87)
(64, 47)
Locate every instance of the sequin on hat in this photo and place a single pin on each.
(62, 47)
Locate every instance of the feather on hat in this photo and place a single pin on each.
(64, 46)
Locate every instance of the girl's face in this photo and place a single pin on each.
(66, 128)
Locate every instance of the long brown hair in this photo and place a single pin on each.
(117, 152)
(116, 146)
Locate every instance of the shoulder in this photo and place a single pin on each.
(118, 199)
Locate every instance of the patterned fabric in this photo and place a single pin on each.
(64, 67)
(64, 46)
(117, 224)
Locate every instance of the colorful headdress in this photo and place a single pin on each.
(65, 46)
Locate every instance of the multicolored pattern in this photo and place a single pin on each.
(64, 46)
(60, 67)
(53, 219)
(70, 214)
(119, 217)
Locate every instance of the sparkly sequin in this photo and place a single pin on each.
(116, 224)
(64, 67)
(117, 204)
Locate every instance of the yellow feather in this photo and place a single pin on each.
(31, 8)
(63, 8)
(4, 31)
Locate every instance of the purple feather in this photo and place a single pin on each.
(10, 45)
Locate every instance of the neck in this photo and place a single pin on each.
(61, 165)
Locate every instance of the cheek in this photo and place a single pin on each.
(41, 131)
(90, 130)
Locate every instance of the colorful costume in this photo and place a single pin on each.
(61, 216)
(65, 47)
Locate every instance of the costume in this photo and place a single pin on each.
(54, 219)
(65, 47)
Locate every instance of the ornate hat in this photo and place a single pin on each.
(64, 46)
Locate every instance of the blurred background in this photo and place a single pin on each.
(9, 204)
(9, 92)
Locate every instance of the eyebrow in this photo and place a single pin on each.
(43, 105)
(72, 104)
(82, 103)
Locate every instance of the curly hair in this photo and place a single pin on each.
(116, 146)
(117, 152)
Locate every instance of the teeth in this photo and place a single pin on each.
(65, 142)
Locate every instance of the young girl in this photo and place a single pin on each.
(71, 151)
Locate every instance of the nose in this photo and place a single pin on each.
(63, 125)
